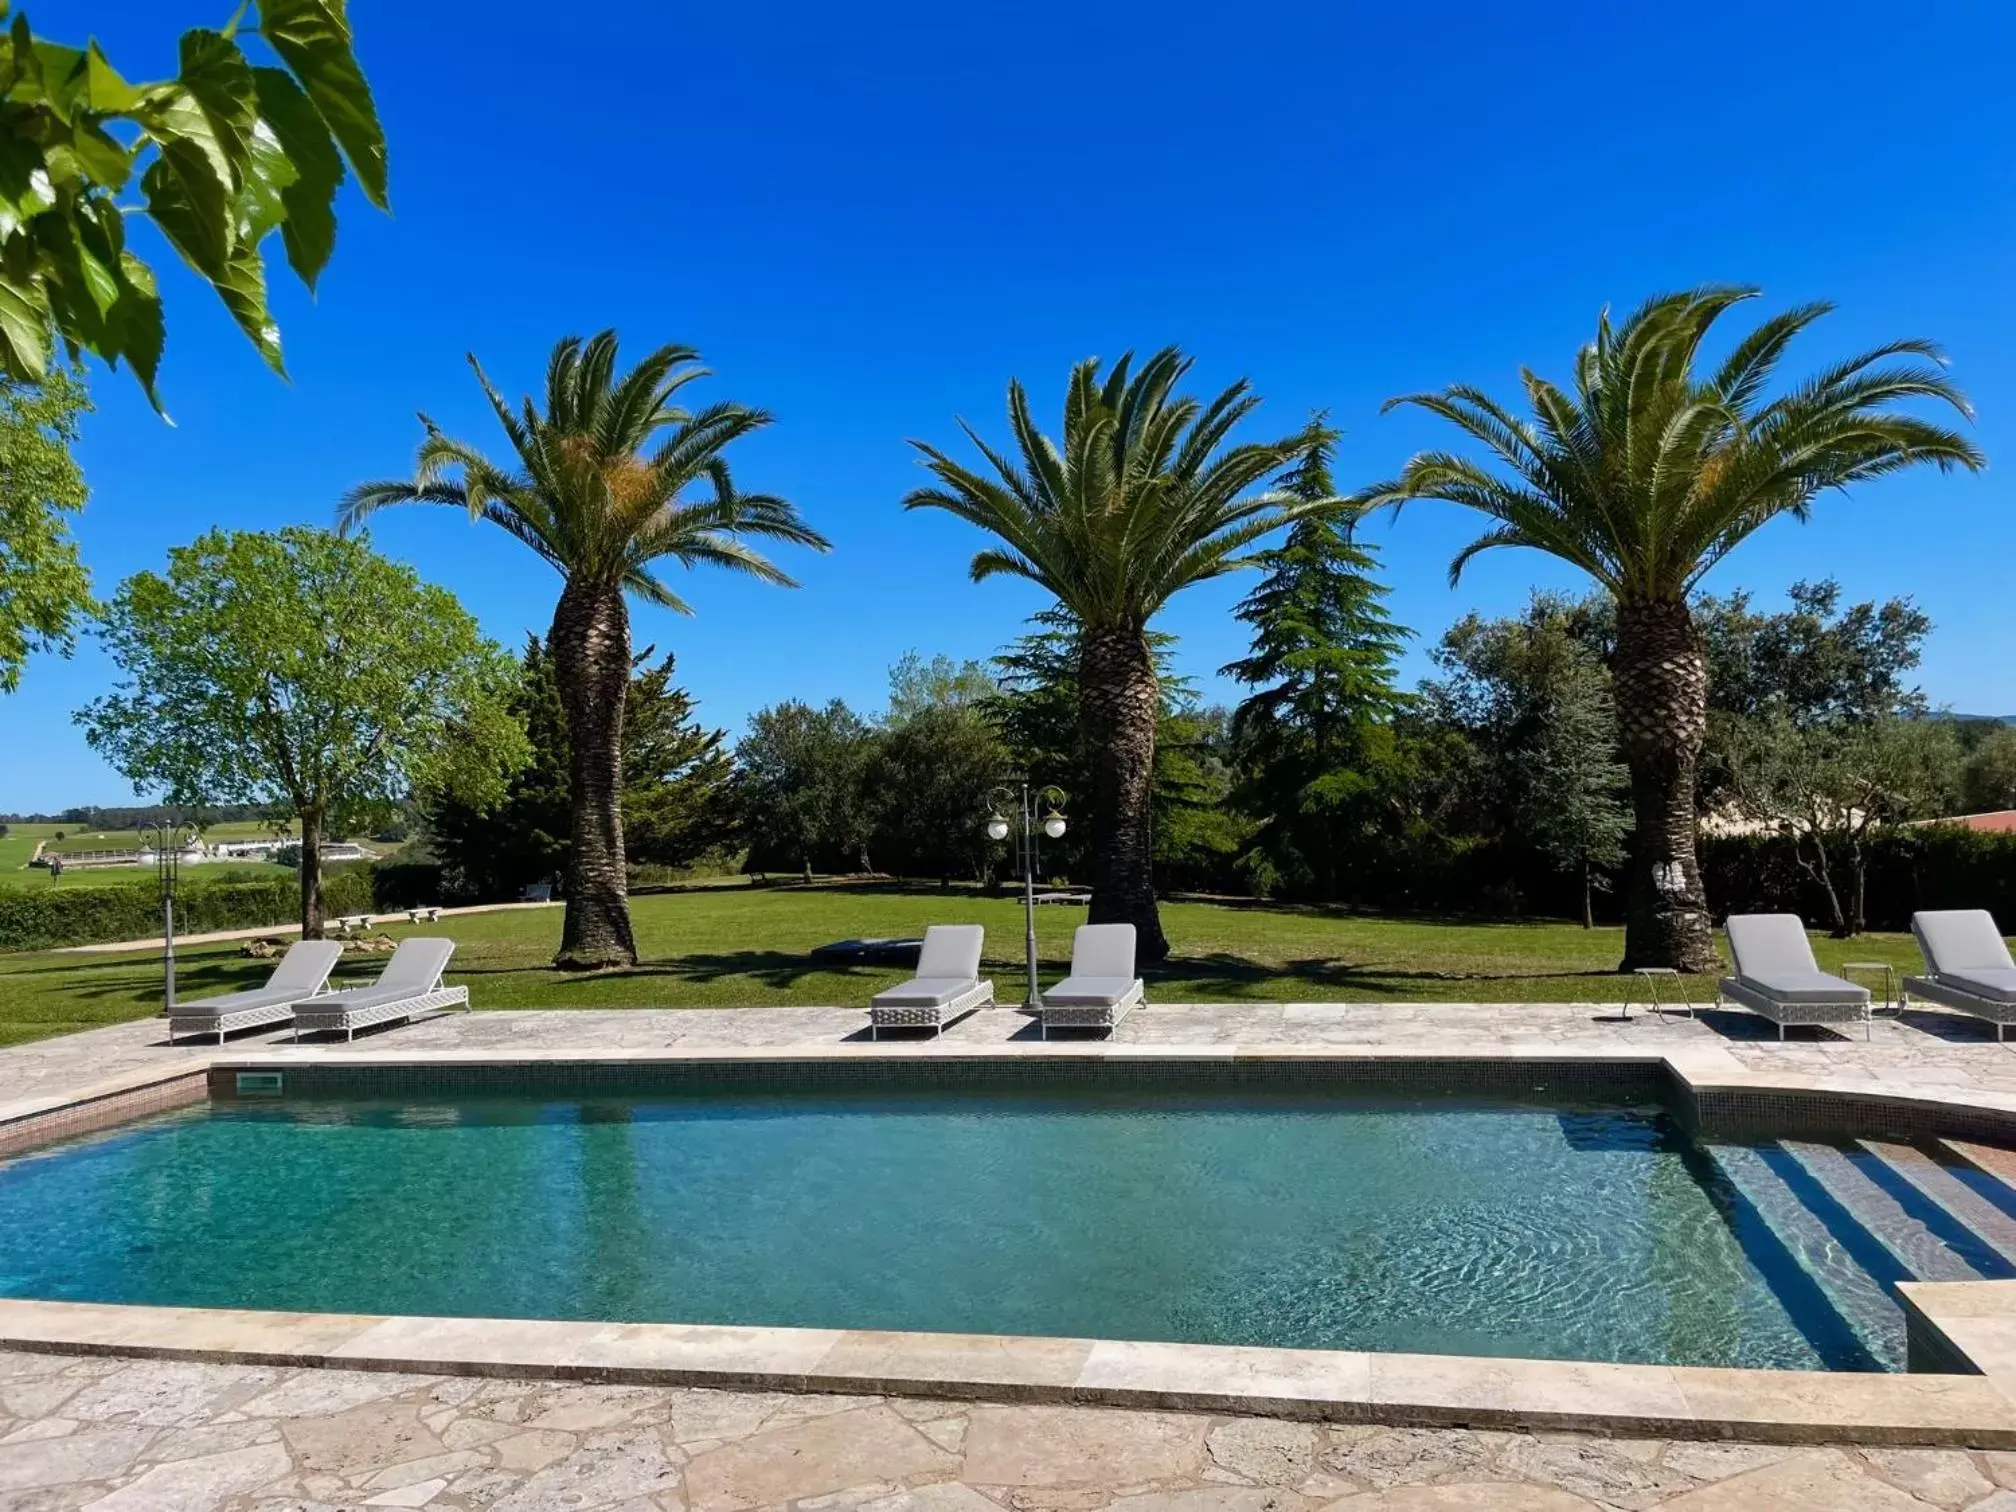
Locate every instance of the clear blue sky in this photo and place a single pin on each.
(868, 217)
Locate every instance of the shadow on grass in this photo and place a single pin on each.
(1224, 972)
(773, 968)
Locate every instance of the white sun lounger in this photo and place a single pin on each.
(1777, 977)
(1102, 986)
(1967, 966)
(303, 971)
(947, 983)
(408, 988)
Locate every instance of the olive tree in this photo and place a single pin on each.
(302, 671)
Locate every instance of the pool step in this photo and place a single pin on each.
(1985, 1224)
(1996, 1164)
(1921, 1252)
(1862, 1306)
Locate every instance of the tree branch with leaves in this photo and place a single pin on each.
(219, 158)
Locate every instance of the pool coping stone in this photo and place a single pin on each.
(1686, 1402)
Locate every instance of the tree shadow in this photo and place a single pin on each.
(773, 968)
(1222, 971)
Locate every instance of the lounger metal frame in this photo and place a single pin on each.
(221, 1024)
(1105, 1016)
(430, 1004)
(1960, 1000)
(933, 1016)
(1821, 1014)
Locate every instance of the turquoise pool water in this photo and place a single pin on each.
(1342, 1221)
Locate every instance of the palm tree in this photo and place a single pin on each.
(1142, 499)
(1647, 476)
(600, 490)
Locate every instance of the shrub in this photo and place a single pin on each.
(35, 918)
(407, 884)
(1910, 868)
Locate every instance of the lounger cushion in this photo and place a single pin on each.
(301, 973)
(1103, 950)
(237, 1002)
(306, 965)
(1997, 984)
(1089, 991)
(951, 953)
(1961, 939)
(417, 964)
(1804, 987)
(925, 992)
(1765, 945)
(356, 997)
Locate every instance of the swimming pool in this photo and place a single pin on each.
(1354, 1219)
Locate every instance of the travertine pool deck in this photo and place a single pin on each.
(271, 1434)
(155, 1436)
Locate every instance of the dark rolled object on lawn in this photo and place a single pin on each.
(873, 952)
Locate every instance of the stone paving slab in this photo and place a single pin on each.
(162, 1436)
(1928, 1410)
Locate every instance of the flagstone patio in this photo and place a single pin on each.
(157, 1436)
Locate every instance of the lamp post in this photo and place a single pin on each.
(168, 840)
(1025, 826)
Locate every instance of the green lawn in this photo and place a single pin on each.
(737, 946)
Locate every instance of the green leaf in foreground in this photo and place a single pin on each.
(313, 37)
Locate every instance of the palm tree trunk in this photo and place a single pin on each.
(1661, 688)
(1118, 704)
(591, 657)
(311, 873)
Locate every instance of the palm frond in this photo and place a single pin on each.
(585, 495)
(1648, 473)
(1141, 493)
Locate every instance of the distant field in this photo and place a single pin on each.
(75, 840)
(19, 844)
(741, 947)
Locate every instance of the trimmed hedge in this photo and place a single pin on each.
(34, 918)
(1924, 866)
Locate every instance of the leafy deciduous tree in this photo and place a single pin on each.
(1526, 702)
(937, 767)
(1828, 786)
(44, 588)
(916, 685)
(1988, 780)
(804, 779)
(303, 671)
